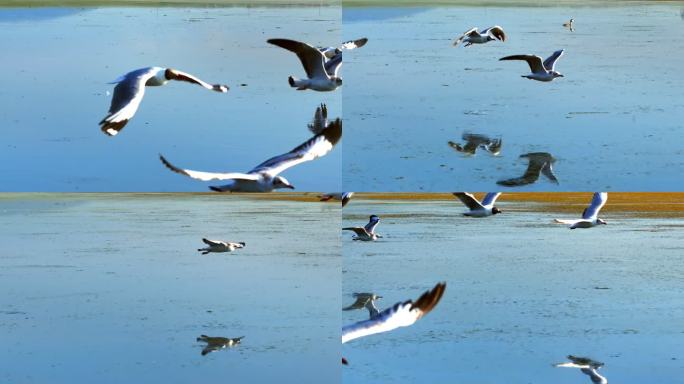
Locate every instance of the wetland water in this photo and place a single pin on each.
(109, 288)
(521, 293)
(614, 122)
(57, 63)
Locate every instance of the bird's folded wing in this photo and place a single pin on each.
(311, 149)
(207, 176)
(564, 221)
(312, 59)
(468, 199)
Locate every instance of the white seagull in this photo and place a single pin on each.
(322, 75)
(479, 209)
(366, 233)
(344, 197)
(218, 343)
(590, 215)
(220, 246)
(330, 52)
(541, 71)
(473, 36)
(264, 177)
(130, 89)
(587, 366)
(401, 314)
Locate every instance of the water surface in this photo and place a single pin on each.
(521, 293)
(613, 122)
(110, 289)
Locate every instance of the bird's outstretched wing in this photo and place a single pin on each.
(128, 94)
(535, 62)
(315, 147)
(207, 176)
(399, 315)
(550, 62)
(468, 199)
(312, 59)
(496, 31)
(174, 74)
(597, 202)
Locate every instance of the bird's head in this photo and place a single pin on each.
(556, 74)
(281, 182)
(338, 81)
(374, 218)
(496, 210)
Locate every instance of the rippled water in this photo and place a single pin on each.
(110, 289)
(613, 122)
(521, 294)
(57, 63)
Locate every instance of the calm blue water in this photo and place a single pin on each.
(520, 295)
(614, 122)
(57, 63)
(110, 289)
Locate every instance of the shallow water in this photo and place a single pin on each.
(110, 288)
(57, 63)
(614, 122)
(521, 294)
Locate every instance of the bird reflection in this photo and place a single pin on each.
(473, 141)
(538, 163)
(217, 343)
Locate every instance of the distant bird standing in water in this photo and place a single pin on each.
(541, 71)
(472, 36)
(570, 25)
(220, 246)
(217, 343)
(587, 366)
(475, 141)
(477, 208)
(538, 163)
(366, 233)
(130, 89)
(344, 197)
(365, 300)
(590, 215)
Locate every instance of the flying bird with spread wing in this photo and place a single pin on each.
(130, 89)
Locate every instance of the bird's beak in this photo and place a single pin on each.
(291, 186)
(561, 76)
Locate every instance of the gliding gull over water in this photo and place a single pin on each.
(475, 141)
(265, 176)
(219, 246)
(473, 36)
(477, 208)
(130, 89)
(366, 233)
(322, 73)
(590, 215)
(538, 163)
(587, 366)
(218, 343)
(541, 71)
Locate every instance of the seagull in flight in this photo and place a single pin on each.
(322, 74)
(401, 314)
(590, 215)
(475, 141)
(587, 366)
(130, 89)
(344, 197)
(541, 71)
(365, 300)
(538, 163)
(265, 176)
(217, 343)
(477, 208)
(220, 246)
(366, 233)
(473, 36)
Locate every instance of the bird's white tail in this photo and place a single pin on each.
(298, 83)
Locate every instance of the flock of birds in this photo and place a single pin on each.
(322, 66)
(539, 163)
(406, 313)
